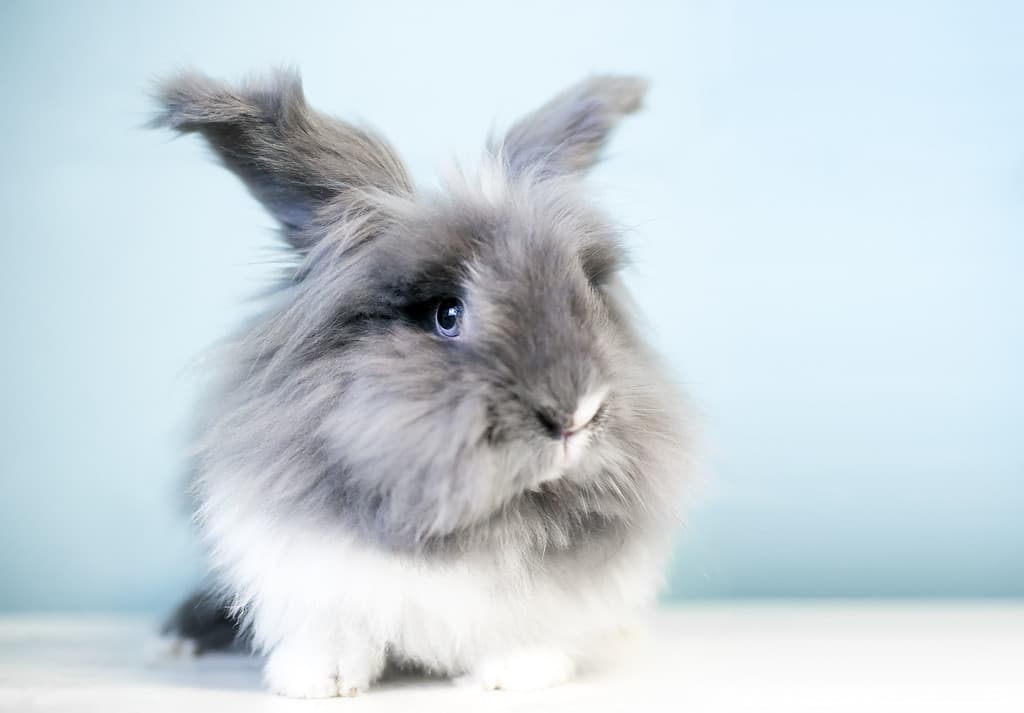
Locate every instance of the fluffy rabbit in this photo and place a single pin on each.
(444, 443)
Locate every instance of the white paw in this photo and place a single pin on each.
(524, 671)
(302, 674)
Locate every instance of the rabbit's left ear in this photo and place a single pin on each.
(293, 159)
(566, 135)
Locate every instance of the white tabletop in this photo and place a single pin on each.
(791, 657)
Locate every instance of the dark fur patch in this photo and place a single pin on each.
(206, 619)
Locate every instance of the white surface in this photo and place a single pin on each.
(792, 657)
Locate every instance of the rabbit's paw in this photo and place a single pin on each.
(524, 671)
(295, 673)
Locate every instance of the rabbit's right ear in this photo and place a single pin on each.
(293, 159)
(566, 135)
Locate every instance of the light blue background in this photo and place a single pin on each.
(825, 202)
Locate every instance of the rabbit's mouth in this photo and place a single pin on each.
(569, 451)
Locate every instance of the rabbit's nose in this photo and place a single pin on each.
(562, 425)
(586, 410)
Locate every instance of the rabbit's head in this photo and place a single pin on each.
(438, 368)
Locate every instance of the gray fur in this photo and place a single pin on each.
(293, 159)
(567, 134)
(339, 407)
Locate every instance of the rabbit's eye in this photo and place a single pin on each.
(448, 317)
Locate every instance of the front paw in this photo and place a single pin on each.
(524, 671)
(305, 673)
(291, 674)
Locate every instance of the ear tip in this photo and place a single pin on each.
(191, 98)
(623, 92)
(180, 99)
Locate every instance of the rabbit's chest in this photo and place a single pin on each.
(439, 612)
(445, 613)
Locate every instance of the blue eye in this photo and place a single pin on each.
(448, 317)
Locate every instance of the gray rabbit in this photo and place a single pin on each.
(445, 442)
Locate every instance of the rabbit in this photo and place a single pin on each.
(444, 443)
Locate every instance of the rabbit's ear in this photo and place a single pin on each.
(566, 135)
(293, 159)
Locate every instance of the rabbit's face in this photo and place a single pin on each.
(438, 365)
(478, 348)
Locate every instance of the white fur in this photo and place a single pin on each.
(493, 181)
(327, 608)
(588, 407)
(524, 671)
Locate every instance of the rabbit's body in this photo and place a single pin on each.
(462, 614)
(445, 443)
